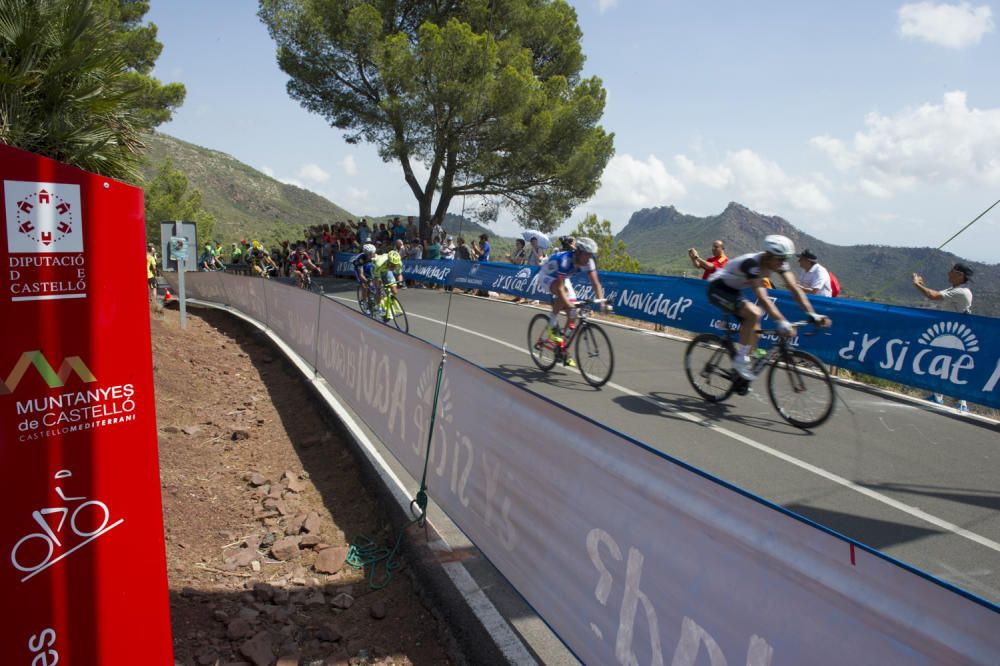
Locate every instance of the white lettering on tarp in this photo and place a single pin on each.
(366, 372)
(510, 283)
(626, 617)
(991, 383)
(692, 635)
(654, 303)
(866, 344)
(505, 532)
(447, 446)
(945, 360)
(429, 271)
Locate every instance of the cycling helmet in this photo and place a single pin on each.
(395, 259)
(587, 245)
(368, 249)
(779, 246)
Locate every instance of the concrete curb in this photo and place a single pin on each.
(479, 632)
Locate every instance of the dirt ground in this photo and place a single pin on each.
(261, 501)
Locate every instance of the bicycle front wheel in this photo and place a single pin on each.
(708, 363)
(397, 315)
(594, 355)
(543, 351)
(800, 389)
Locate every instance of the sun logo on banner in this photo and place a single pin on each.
(523, 274)
(950, 335)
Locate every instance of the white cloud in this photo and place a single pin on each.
(313, 173)
(629, 182)
(951, 26)
(763, 185)
(745, 176)
(714, 177)
(349, 165)
(605, 5)
(933, 144)
(267, 170)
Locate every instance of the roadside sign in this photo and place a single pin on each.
(82, 558)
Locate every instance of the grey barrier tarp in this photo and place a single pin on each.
(630, 556)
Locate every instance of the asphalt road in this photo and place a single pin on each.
(918, 483)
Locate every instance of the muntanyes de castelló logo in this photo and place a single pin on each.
(55, 379)
(43, 217)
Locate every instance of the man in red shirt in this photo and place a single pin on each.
(717, 261)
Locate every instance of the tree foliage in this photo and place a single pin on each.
(136, 43)
(168, 197)
(485, 95)
(74, 82)
(611, 253)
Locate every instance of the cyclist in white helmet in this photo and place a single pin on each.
(554, 276)
(362, 263)
(726, 291)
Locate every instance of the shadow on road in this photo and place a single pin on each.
(559, 376)
(985, 499)
(878, 534)
(671, 405)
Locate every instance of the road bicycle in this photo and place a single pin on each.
(383, 305)
(798, 383)
(308, 283)
(591, 345)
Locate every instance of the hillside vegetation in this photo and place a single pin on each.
(246, 203)
(659, 239)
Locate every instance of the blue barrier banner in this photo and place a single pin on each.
(946, 352)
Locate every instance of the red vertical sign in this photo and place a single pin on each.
(81, 547)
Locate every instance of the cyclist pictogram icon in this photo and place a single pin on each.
(87, 521)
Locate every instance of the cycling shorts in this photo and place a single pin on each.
(387, 277)
(726, 298)
(545, 282)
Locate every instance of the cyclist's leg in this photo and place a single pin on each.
(560, 303)
(733, 301)
(749, 315)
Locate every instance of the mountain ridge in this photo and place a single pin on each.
(869, 272)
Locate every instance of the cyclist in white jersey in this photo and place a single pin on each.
(554, 276)
(725, 291)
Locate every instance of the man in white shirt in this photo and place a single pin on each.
(956, 298)
(813, 278)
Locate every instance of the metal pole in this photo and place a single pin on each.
(181, 267)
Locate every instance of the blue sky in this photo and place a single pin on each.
(857, 121)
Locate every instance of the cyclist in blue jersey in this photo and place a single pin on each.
(725, 291)
(363, 267)
(554, 276)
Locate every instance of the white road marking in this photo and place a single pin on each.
(913, 511)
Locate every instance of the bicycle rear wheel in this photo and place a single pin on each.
(800, 389)
(397, 315)
(708, 363)
(594, 355)
(543, 351)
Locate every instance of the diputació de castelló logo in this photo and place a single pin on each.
(44, 241)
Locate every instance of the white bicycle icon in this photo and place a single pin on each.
(50, 536)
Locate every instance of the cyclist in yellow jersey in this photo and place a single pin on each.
(151, 271)
(389, 269)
